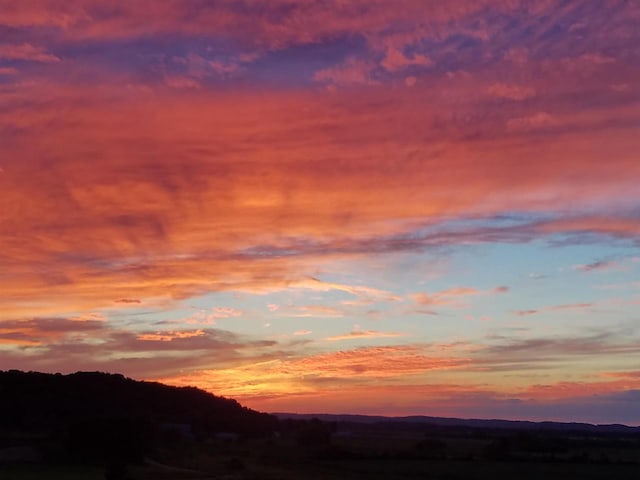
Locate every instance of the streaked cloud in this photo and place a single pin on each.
(26, 52)
(169, 335)
(302, 332)
(510, 91)
(453, 296)
(600, 265)
(357, 333)
(38, 331)
(317, 311)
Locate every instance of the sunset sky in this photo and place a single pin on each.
(388, 207)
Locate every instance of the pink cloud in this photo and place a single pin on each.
(26, 52)
(180, 82)
(451, 296)
(352, 72)
(510, 91)
(395, 59)
(532, 122)
(272, 26)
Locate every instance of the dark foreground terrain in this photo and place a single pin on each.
(99, 426)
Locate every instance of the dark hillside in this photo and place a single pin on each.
(97, 418)
(30, 400)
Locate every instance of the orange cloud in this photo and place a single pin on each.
(311, 373)
(565, 389)
(361, 291)
(235, 213)
(629, 374)
(451, 296)
(169, 335)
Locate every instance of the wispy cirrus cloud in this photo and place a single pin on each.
(584, 306)
(302, 332)
(597, 266)
(453, 296)
(545, 348)
(316, 311)
(358, 333)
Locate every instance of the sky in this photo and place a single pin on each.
(406, 207)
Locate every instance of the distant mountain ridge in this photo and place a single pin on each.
(461, 422)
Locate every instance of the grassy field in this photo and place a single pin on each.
(53, 472)
(369, 469)
(376, 455)
(386, 469)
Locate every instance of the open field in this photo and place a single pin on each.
(50, 472)
(260, 460)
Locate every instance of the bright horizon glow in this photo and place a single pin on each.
(370, 207)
